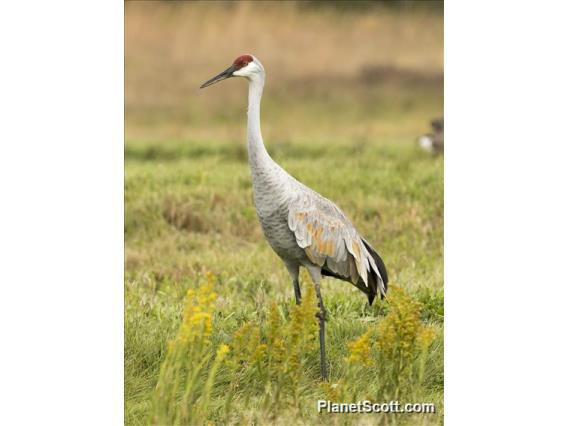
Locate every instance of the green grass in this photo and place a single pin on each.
(189, 211)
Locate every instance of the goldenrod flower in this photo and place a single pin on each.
(360, 350)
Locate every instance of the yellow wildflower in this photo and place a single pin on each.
(360, 350)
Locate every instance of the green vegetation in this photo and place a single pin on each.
(189, 211)
(342, 118)
(264, 373)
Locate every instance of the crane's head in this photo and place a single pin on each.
(244, 66)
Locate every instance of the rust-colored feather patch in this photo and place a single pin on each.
(356, 250)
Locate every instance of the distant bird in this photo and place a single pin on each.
(302, 227)
(434, 142)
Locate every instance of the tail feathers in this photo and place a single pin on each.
(375, 280)
(375, 283)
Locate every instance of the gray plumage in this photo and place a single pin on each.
(302, 227)
(434, 142)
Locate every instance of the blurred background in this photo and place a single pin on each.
(350, 87)
(336, 71)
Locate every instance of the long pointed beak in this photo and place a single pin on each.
(220, 77)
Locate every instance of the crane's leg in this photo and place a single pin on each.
(294, 270)
(315, 274)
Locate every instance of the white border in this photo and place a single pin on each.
(61, 223)
(506, 212)
(61, 177)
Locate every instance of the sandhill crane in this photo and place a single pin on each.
(434, 142)
(302, 227)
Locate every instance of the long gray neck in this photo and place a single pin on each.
(258, 156)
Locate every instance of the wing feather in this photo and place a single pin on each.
(329, 239)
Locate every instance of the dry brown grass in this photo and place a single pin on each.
(173, 47)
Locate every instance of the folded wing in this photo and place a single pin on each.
(330, 241)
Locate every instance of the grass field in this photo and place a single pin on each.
(347, 129)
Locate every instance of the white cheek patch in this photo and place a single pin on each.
(245, 71)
